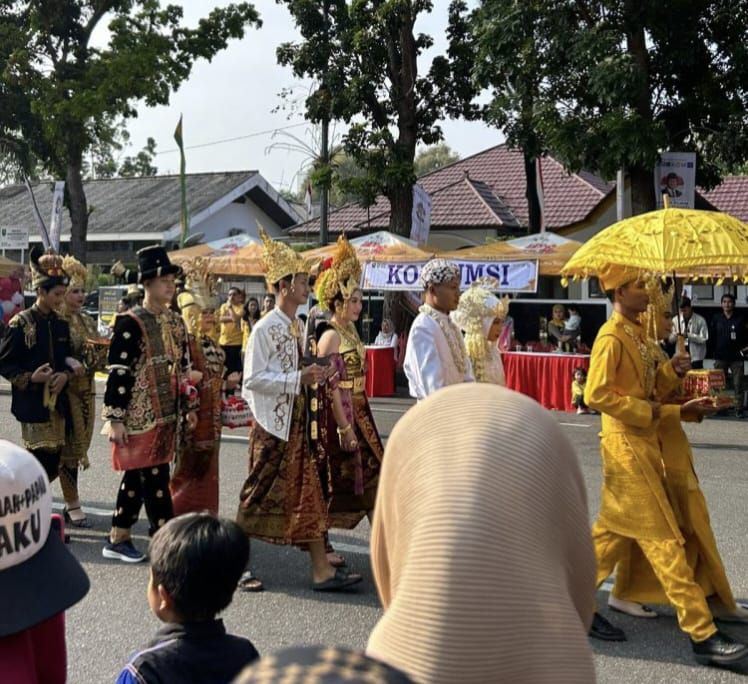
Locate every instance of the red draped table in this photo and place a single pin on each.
(546, 378)
(380, 371)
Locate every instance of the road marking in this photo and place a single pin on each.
(581, 425)
(86, 509)
(350, 548)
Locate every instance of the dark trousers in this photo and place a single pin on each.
(233, 363)
(50, 461)
(149, 486)
(578, 402)
(697, 365)
(736, 373)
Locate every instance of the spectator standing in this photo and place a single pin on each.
(268, 304)
(729, 340)
(695, 330)
(196, 561)
(230, 319)
(38, 580)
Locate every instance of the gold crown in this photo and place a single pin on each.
(76, 271)
(280, 260)
(478, 303)
(200, 282)
(342, 275)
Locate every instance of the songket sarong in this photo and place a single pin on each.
(281, 501)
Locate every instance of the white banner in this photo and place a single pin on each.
(512, 276)
(420, 222)
(675, 176)
(55, 223)
(16, 237)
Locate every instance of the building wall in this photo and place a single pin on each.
(244, 216)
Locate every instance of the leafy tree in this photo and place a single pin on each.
(363, 56)
(344, 169)
(65, 93)
(612, 83)
(104, 159)
(433, 158)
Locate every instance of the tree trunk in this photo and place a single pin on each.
(534, 215)
(78, 207)
(401, 214)
(642, 191)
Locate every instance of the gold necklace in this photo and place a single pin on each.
(648, 357)
(349, 333)
(453, 335)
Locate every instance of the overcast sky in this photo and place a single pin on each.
(234, 96)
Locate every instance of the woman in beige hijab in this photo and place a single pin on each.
(481, 546)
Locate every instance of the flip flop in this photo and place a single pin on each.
(249, 583)
(340, 581)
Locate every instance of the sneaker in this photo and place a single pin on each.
(124, 551)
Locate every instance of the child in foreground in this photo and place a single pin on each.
(196, 562)
(577, 391)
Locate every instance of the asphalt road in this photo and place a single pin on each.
(113, 620)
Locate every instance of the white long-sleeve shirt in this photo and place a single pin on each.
(697, 334)
(429, 364)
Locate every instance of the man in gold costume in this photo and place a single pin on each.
(624, 380)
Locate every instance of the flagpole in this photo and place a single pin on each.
(184, 218)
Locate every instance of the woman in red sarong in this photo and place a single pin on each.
(349, 447)
(194, 483)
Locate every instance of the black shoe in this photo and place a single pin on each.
(718, 649)
(603, 630)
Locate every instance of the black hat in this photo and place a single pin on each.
(153, 262)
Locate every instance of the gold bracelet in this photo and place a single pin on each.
(342, 431)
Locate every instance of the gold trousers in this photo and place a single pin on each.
(668, 560)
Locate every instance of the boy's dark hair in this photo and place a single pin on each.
(728, 295)
(199, 559)
(581, 370)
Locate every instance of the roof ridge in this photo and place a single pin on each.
(460, 161)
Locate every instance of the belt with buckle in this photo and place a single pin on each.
(356, 385)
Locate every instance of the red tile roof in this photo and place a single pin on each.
(486, 190)
(730, 196)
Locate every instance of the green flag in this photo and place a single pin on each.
(185, 221)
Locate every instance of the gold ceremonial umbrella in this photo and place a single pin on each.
(686, 242)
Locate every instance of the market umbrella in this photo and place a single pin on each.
(379, 246)
(245, 261)
(215, 248)
(10, 268)
(550, 250)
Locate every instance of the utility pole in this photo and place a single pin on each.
(324, 143)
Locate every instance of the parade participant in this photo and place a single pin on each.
(33, 357)
(194, 482)
(636, 583)
(435, 356)
(349, 445)
(521, 570)
(623, 382)
(147, 396)
(282, 500)
(230, 318)
(480, 314)
(88, 357)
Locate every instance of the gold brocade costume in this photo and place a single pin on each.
(634, 506)
(635, 579)
(81, 389)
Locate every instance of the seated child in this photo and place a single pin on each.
(196, 562)
(577, 390)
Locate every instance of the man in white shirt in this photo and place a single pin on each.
(282, 500)
(435, 356)
(694, 328)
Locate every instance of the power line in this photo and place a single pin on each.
(240, 137)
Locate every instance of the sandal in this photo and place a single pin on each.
(81, 523)
(249, 583)
(339, 581)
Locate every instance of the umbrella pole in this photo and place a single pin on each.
(680, 345)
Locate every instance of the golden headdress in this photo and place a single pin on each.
(200, 293)
(46, 269)
(76, 271)
(614, 276)
(280, 260)
(660, 304)
(475, 313)
(341, 274)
